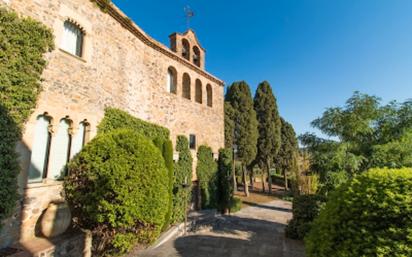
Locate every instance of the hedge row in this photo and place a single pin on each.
(116, 119)
(23, 45)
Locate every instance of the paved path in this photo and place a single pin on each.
(252, 232)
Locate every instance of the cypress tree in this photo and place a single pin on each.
(269, 126)
(245, 125)
(286, 159)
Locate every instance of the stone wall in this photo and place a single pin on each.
(118, 69)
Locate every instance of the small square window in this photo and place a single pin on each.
(192, 141)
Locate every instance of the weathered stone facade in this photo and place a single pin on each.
(122, 67)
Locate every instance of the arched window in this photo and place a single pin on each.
(80, 138)
(186, 86)
(60, 150)
(209, 94)
(186, 49)
(72, 41)
(172, 80)
(196, 56)
(40, 150)
(198, 91)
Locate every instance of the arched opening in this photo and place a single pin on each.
(40, 150)
(209, 94)
(186, 49)
(198, 91)
(186, 86)
(80, 138)
(60, 150)
(73, 37)
(172, 80)
(196, 56)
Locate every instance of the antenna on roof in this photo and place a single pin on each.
(189, 13)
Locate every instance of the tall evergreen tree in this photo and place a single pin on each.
(269, 126)
(245, 125)
(286, 159)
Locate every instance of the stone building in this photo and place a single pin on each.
(103, 59)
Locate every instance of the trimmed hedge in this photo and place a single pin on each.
(24, 42)
(116, 119)
(224, 180)
(117, 189)
(206, 174)
(182, 175)
(305, 209)
(371, 215)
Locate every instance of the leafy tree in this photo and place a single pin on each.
(245, 125)
(286, 160)
(365, 135)
(269, 127)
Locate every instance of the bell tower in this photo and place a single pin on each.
(187, 46)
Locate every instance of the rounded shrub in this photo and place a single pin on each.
(118, 188)
(371, 215)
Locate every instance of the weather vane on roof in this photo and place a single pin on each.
(189, 13)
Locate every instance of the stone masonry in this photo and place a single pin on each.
(121, 67)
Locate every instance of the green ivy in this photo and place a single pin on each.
(206, 174)
(116, 118)
(183, 176)
(23, 43)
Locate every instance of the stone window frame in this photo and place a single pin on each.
(196, 56)
(174, 72)
(82, 31)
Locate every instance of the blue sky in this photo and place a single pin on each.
(315, 53)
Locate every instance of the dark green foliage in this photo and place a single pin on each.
(245, 125)
(305, 209)
(23, 43)
(206, 174)
(116, 119)
(369, 216)
(117, 189)
(229, 125)
(167, 153)
(269, 127)
(245, 122)
(183, 176)
(224, 180)
(286, 159)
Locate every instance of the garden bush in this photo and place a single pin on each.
(206, 174)
(116, 119)
(235, 204)
(117, 188)
(182, 176)
(305, 209)
(371, 215)
(224, 192)
(24, 42)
